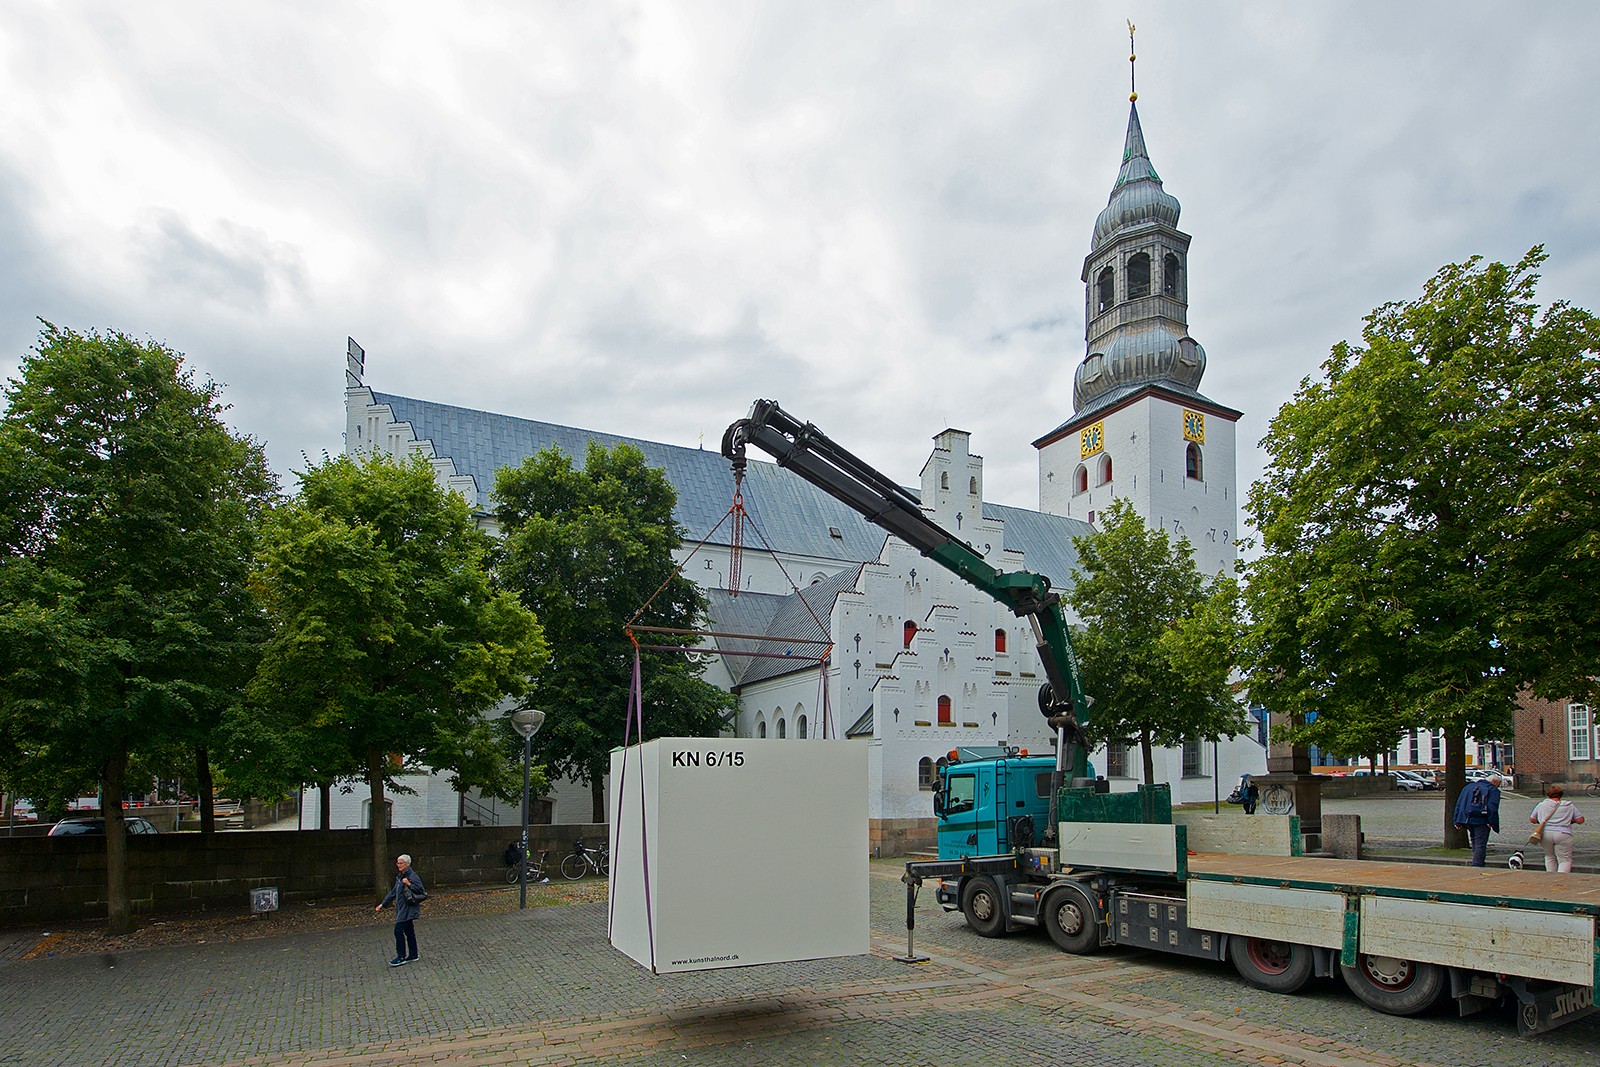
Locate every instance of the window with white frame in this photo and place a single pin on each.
(1580, 729)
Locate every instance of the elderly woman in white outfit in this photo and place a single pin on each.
(1558, 817)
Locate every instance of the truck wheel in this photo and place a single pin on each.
(1276, 966)
(1394, 986)
(980, 903)
(1069, 917)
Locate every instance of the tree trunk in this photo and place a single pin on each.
(597, 798)
(1455, 780)
(1148, 755)
(119, 916)
(378, 823)
(206, 789)
(325, 805)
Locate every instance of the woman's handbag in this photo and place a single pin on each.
(413, 896)
(1537, 837)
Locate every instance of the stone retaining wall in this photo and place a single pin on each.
(55, 879)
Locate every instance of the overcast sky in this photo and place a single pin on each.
(638, 217)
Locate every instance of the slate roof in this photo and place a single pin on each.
(795, 515)
(802, 615)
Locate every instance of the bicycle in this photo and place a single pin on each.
(536, 869)
(1594, 789)
(583, 859)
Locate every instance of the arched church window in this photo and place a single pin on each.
(1000, 643)
(800, 727)
(1169, 274)
(1193, 464)
(761, 729)
(972, 486)
(1105, 469)
(944, 479)
(782, 732)
(1138, 275)
(925, 772)
(945, 713)
(1105, 290)
(1080, 479)
(911, 631)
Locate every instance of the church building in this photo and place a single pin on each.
(919, 662)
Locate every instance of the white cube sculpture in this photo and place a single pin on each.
(734, 852)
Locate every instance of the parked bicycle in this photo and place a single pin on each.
(536, 868)
(1594, 789)
(583, 859)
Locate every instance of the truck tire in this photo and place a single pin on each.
(980, 903)
(1069, 918)
(1276, 966)
(1395, 986)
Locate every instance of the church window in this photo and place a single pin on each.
(1193, 464)
(1080, 479)
(1117, 760)
(761, 729)
(925, 773)
(1138, 275)
(1105, 290)
(1105, 469)
(1000, 640)
(945, 714)
(911, 631)
(944, 479)
(972, 486)
(782, 728)
(1193, 759)
(1169, 275)
(800, 727)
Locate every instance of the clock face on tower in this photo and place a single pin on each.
(1194, 426)
(1091, 439)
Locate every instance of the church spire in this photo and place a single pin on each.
(1136, 273)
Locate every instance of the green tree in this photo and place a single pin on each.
(1416, 524)
(126, 512)
(586, 549)
(389, 641)
(1159, 640)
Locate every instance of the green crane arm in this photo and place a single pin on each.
(807, 451)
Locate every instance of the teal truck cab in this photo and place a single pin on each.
(991, 799)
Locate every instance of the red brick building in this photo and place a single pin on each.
(1555, 742)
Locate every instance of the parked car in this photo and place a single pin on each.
(83, 827)
(23, 811)
(1409, 782)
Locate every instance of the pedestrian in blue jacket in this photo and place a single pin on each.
(406, 894)
(1477, 812)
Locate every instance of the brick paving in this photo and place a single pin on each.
(542, 987)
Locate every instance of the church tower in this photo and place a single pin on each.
(1140, 427)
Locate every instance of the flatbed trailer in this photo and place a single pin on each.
(1402, 935)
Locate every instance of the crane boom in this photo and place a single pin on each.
(810, 453)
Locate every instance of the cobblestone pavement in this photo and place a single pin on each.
(542, 987)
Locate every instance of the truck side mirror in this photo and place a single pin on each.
(938, 801)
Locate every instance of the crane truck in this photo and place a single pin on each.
(1029, 841)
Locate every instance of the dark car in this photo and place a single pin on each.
(78, 827)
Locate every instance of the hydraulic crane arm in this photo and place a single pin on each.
(807, 451)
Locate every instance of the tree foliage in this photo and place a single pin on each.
(1159, 639)
(1427, 551)
(586, 549)
(126, 516)
(389, 643)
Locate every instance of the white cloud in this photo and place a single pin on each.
(638, 217)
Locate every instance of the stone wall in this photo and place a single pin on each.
(55, 879)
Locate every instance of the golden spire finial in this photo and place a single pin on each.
(1133, 92)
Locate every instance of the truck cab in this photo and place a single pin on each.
(990, 800)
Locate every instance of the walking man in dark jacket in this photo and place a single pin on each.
(407, 884)
(1477, 812)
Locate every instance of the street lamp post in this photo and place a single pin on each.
(527, 723)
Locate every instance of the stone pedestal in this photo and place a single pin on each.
(1289, 766)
